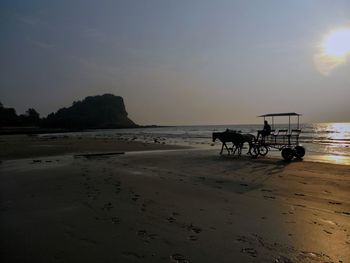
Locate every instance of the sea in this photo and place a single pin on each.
(324, 142)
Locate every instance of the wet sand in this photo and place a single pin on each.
(24, 146)
(173, 206)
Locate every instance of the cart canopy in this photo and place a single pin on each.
(280, 114)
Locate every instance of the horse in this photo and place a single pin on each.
(237, 140)
(250, 139)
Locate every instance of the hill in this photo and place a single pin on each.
(94, 112)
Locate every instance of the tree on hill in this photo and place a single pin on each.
(30, 118)
(8, 116)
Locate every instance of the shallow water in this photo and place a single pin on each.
(325, 142)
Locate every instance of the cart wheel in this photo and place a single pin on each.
(263, 150)
(254, 152)
(287, 154)
(299, 152)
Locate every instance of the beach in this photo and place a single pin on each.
(167, 204)
(24, 146)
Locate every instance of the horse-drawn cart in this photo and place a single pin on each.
(285, 140)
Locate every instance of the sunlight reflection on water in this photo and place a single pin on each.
(336, 159)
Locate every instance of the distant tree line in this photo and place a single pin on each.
(105, 111)
(9, 117)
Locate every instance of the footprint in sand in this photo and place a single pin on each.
(115, 220)
(194, 229)
(143, 207)
(298, 194)
(136, 197)
(329, 233)
(344, 213)
(242, 239)
(266, 190)
(193, 238)
(334, 203)
(107, 206)
(171, 219)
(142, 233)
(269, 197)
(250, 251)
(178, 258)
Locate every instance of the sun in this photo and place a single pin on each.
(337, 43)
(333, 50)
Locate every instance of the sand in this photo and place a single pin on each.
(24, 146)
(183, 205)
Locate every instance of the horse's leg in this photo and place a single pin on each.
(240, 152)
(250, 148)
(239, 147)
(222, 148)
(234, 147)
(228, 150)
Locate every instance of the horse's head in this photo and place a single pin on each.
(215, 136)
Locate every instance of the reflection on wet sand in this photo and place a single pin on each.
(334, 159)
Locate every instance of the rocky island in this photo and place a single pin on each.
(94, 112)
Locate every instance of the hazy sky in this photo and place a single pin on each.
(178, 62)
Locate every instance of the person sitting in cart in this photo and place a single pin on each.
(265, 131)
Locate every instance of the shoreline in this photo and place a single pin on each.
(33, 130)
(24, 146)
(172, 149)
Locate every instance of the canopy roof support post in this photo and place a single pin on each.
(298, 122)
(289, 125)
(273, 123)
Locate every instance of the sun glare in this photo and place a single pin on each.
(337, 43)
(333, 51)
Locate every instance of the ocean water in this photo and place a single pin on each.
(325, 141)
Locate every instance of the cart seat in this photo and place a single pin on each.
(282, 132)
(296, 132)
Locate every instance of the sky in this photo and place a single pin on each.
(182, 62)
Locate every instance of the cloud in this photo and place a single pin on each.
(325, 64)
